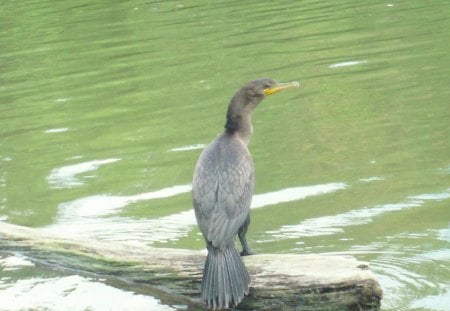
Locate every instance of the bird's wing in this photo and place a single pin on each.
(231, 209)
(233, 195)
(222, 190)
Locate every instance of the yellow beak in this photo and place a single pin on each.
(280, 87)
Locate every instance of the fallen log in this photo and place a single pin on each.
(279, 281)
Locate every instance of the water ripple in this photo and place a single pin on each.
(57, 130)
(327, 225)
(72, 293)
(82, 216)
(65, 177)
(294, 193)
(189, 147)
(439, 302)
(12, 263)
(348, 63)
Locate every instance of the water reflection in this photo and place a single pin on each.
(328, 225)
(11, 263)
(433, 302)
(444, 234)
(57, 130)
(102, 205)
(71, 292)
(189, 147)
(294, 193)
(95, 216)
(403, 264)
(154, 77)
(348, 63)
(65, 177)
(370, 179)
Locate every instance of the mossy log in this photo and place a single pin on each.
(279, 281)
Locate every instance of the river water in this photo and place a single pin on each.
(106, 105)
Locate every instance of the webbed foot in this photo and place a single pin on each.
(247, 252)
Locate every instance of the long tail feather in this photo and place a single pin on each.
(225, 278)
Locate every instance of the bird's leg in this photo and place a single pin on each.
(242, 232)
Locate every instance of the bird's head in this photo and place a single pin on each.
(248, 97)
(255, 91)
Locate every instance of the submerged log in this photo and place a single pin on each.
(283, 281)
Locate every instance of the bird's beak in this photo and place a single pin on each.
(280, 87)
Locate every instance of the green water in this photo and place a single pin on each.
(96, 98)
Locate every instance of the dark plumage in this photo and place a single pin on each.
(222, 191)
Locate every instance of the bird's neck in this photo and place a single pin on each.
(246, 129)
(239, 122)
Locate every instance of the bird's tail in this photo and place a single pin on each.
(225, 278)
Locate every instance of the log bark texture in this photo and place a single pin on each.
(279, 281)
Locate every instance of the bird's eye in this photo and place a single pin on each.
(266, 86)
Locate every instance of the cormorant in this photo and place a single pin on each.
(222, 191)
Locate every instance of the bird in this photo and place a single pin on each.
(222, 190)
